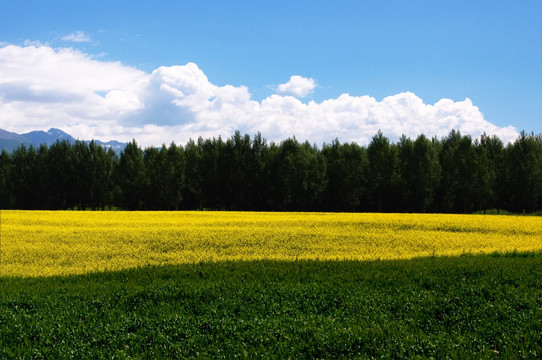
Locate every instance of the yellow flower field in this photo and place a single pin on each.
(45, 243)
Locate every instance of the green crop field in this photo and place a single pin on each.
(185, 285)
(466, 307)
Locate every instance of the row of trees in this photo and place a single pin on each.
(453, 174)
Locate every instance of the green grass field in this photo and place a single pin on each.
(468, 307)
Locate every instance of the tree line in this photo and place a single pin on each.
(455, 174)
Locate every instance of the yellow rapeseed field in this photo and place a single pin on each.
(45, 243)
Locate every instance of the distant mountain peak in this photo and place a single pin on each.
(55, 131)
(9, 141)
(48, 137)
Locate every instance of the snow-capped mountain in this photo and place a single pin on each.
(9, 141)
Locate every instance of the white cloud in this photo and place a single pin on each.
(36, 43)
(78, 36)
(41, 87)
(297, 86)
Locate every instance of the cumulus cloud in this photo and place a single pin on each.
(42, 87)
(78, 36)
(64, 88)
(297, 86)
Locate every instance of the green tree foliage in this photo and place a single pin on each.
(419, 173)
(492, 150)
(301, 174)
(60, 174)
(27, 182)
(524, 177)
(132, 177)
(214, 174)
(383, 175)
(174, 171)
(346, 176)
(192, 189)
(454, 174)
(7, 199)
(93, 175)
(460, 176)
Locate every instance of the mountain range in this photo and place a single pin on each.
(9, 141)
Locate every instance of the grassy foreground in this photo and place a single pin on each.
(467, 307)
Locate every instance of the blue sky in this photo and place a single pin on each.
(406, 56)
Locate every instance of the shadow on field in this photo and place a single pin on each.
(476, 306)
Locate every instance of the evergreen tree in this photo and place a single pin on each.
(214, 174)
(346, 176)
(102, 167)
(174, 169)
(459, 187)
(192, 189)
(419, 173)
(58, 176)
(27, 179)
(258, 172)
(155, 181)
(383, 175)
(454, 174)
(301, 172)
(7, 199)
(131, 177)
(524, 182)
(488, 169)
